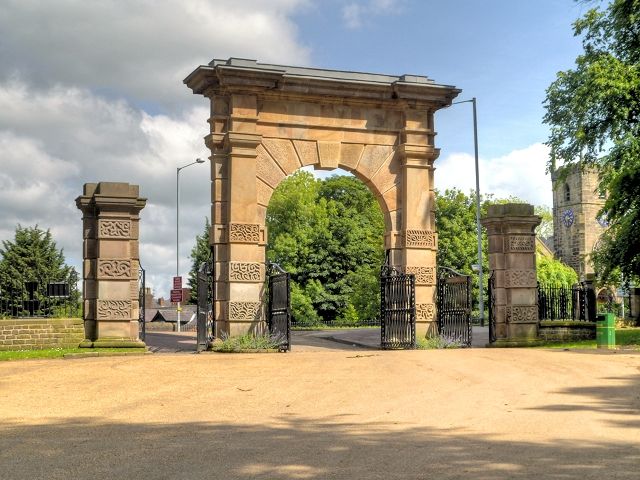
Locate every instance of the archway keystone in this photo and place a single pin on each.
(267, 121)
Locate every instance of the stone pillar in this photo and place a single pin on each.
(239, 233)
(111, 262)
(419, 238)
(512, 259)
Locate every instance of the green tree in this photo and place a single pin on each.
(553, 273)
(545, 229)
(33, 256)
(457, 230)
(329, 235)
(201, 252)
(593, 111)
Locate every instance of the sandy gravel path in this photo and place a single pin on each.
(477, 414)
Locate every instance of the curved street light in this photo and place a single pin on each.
(479, 228)
(198, 160)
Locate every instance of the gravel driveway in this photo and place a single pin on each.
(360, 414)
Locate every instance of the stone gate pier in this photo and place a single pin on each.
(110, 218)
(512, 260)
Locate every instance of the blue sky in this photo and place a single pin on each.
(93, 91)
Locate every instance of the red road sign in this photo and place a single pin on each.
(176, 295)
(177, 282)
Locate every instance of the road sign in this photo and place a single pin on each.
(176, 295)
(177, 283)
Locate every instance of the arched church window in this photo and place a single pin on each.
(567, 192)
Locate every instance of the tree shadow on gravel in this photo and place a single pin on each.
(298, 448)
(620, 399)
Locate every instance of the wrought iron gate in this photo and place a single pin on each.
(142, 326)
(205, 322)
(492, 306)
(454, 306)
(397, 309)
(279, 308)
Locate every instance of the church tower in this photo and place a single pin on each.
(576, 225)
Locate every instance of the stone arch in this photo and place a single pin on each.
(375, 165)
(267, 121)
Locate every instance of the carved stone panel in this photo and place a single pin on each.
(244, 310)
(424, 275)
(244, 233)
(245, 272)
(522, 314)
(114, 269)
(522, 244)
(425, 312)
(114, 229)
(420, 238)
(114, 310)
(520, 278)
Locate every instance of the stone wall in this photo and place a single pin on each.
(40, 333)
(555, 331)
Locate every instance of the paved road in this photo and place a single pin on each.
(313, 340)
(481, 414)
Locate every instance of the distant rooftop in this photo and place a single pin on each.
(343, 75)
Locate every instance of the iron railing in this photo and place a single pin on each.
(397, 309)
(575, 303)
(279, 306)
(205, 324)
(454, 306)
(41, 299)
(142, 321)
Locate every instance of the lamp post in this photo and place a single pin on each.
(198, 160)
(478, 226)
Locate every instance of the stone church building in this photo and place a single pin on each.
(576, 225)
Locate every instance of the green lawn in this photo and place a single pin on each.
(625, 337)
(59, 352)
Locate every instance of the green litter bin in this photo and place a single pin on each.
(606, 330)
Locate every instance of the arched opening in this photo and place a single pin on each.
(328, 232)
(567, 192)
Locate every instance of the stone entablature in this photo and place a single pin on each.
(111, 262)
(267, 121)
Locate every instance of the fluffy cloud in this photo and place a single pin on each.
(53, 141)
(93, 92)
(140, 50)
(356, 14)
(520, 173)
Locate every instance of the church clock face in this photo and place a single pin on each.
(568, 217)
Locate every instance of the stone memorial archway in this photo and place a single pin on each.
(267, 121)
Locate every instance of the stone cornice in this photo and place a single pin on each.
(249, 76)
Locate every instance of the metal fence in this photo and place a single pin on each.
(575, 303)
(41, 299)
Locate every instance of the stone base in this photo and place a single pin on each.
(567, 331)
(112, 343)
(515, 343)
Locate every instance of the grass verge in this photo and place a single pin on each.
(246, 343)
(59, 352)
(625, 338)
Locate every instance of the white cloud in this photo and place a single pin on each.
(51, 142)
(520, 173)
(356, 14)
(81, 85)
(139, 49)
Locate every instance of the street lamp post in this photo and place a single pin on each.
(198, 160)
(478, 226)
